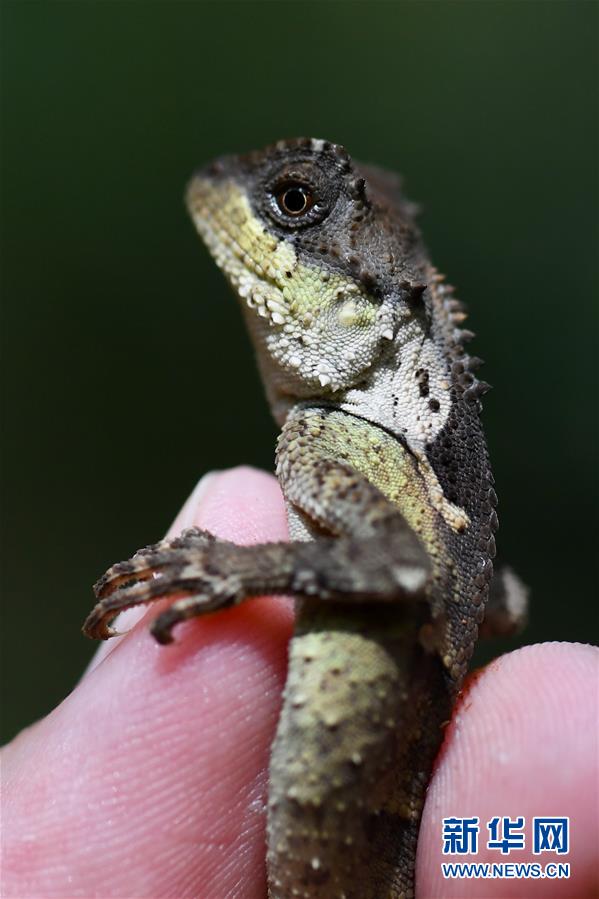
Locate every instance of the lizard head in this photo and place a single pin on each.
(320, 252)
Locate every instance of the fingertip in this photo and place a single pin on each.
(186, 516)
(241, 504)
(171, 741)
(522, 743)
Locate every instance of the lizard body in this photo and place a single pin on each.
(391, 507)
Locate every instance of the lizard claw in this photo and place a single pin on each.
(151, 559)
(174, 567)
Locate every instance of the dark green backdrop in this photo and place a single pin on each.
(114, 316)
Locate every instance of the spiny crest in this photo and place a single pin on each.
(451, 316)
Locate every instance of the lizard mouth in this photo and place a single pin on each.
(258, 265)
(223, 217)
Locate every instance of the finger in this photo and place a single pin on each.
(523, 743)
(150, 779)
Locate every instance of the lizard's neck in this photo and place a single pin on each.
(409, 394)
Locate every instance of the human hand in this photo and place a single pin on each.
(149, 779)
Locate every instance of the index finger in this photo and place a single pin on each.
(150, 778)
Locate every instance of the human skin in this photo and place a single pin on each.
(150, 778)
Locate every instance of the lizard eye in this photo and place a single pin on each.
(297, 196)
(294, 199)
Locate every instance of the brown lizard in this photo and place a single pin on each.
(391, 507)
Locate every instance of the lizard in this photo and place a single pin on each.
(390, 499)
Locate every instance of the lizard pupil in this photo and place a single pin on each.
(295, 200)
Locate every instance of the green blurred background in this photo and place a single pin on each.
(114, 317)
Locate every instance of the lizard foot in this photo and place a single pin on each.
(151, 559)
(169, 568)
